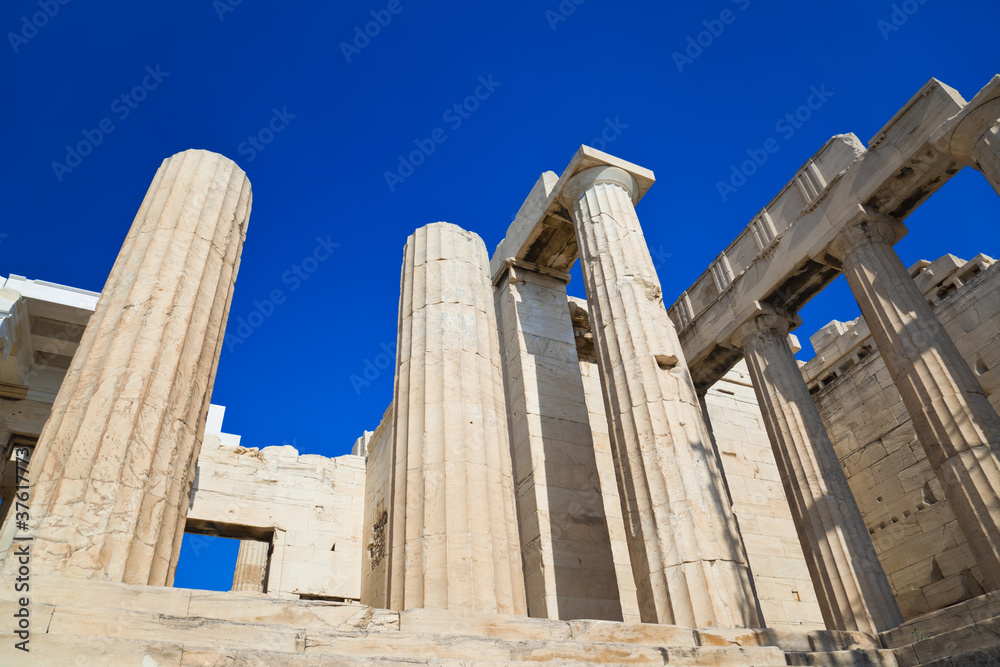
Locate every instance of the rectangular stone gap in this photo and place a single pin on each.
(722, 273)
(684, 310)
(219, 556)
(762, 228)
(17, 447)
(810, 184)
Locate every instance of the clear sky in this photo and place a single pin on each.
(317, 113)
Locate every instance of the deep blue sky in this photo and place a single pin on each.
(322, 176)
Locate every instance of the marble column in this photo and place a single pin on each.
(955, 423)
(687, 555)
(851, 586)
(453, 541)
(251, 567)
(114, 463)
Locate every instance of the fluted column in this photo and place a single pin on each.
(687, 554)
(955, 423)
(453, 540)
(114, 464)
(851, 586)
(251, 567)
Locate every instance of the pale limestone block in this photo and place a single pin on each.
(84, 652)
(302, 615)
(478, 623)
(632, 633)
(142, 626)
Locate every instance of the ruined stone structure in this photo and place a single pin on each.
(615, 480)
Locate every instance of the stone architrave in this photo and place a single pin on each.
(957, 426)
(851, 586)
(687, 554)
(453, 541)
(113, 467)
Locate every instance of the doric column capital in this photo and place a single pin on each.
(766, 319)
(973, 129)
(868, 227)
(596, 176)
(960, 135)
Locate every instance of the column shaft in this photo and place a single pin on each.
(453, 528)
(851, 586)
(955, 423)
(251, 567)
(114, 462)
(687, 554)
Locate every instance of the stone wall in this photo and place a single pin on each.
(375, 533)
(569, 567)
(310, 507)
(912, 525)
(784, 586)
(605, 462)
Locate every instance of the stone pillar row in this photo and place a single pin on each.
(453, 526)
(687, 554)
(114, 465)
(851, 586)
(954, 420)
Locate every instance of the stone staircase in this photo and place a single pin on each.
(964, 634)
(853, 649)
(91, 623)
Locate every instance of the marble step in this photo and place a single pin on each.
(945, 620)
(945, 648)
(173, 627)
(83, 635)
(853, 658)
